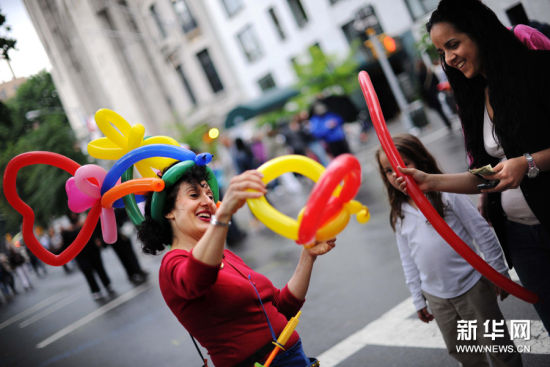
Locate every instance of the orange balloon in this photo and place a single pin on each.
(131, 187)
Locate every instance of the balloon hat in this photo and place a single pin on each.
(93, 188)
(170, 177)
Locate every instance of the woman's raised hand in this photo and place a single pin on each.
(321, 248)
(247, 185)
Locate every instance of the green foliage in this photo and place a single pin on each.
(425, 45)
(195, 137)
(6, 43)
(41, 186)
(320, 74)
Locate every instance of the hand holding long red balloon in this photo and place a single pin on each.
(426, 207)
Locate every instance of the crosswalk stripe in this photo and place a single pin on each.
(56, 306)
(396, 328)
(29, 311)
(93, 315)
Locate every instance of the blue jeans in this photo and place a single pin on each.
(530, 253)
(293, 357)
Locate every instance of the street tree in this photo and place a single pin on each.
(35, 121)
(6, 43)
(318, 74)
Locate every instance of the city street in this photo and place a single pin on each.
(358, 311)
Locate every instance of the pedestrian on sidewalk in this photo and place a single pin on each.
(18, 262)
(124, 250)
(442, 283)
(233, 311)
(89, 259)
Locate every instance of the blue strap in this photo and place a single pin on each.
(263, 308)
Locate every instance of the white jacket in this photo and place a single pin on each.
(430, 264)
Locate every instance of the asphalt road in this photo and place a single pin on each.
(357, 311)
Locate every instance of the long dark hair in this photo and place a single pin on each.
(155, 236)
(411, 147)
(505, 62)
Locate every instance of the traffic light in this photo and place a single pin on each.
(211, 135)
(389, 44)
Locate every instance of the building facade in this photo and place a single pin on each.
(168, 62)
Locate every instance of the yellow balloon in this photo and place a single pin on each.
(121, 138)
(267, 214)
(287, 226)
(337, 223)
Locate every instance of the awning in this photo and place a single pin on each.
(270, 100)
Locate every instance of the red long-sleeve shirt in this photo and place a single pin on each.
(219, 306)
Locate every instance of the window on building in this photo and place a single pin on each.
(277, 23)
(249, 44)
(349, 31)
(266, 82)
(186, 84)
(188, 22)
(232, 7)
(332, 2)
(366, 18)
(298, 12)
(419, 8)
(156, 17)
(210, 71)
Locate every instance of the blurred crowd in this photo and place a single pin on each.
(20, 268)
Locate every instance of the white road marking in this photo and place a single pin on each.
(62, 303)
(93, 315)
(396, 328)
(29, 311)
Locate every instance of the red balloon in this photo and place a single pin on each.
(321, 205)
(10, 191)
(424, 204)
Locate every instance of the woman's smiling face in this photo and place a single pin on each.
(193, 209)
(458, 49)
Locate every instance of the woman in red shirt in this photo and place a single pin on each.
(233, 311)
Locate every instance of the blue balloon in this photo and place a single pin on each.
(149, 151)
(119, 203)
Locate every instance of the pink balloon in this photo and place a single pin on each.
(78, 201)
(108, 225)
(84, 191)
(82, 178)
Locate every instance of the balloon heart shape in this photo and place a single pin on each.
(84, 191)
(10, 191)
(121, 138)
